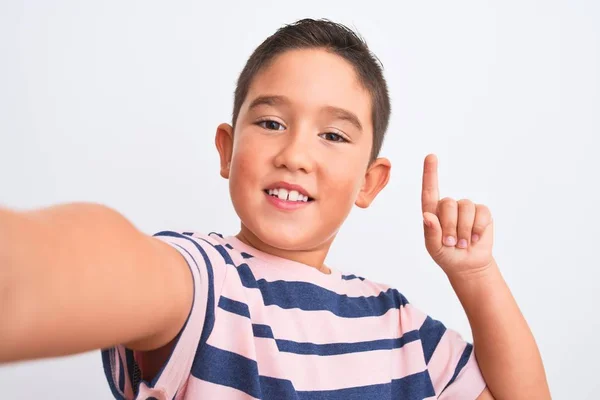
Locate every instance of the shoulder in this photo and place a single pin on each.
(209, 246)
(207, 256)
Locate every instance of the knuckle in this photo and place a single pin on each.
(483, 209)
(448, 200)
(466, 203)
(448, 216)
(449, 226)
(447, 205)
(481, 222)
(464, 231)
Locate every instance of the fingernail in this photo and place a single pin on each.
(474, 238)
(462, 243)
(426, 223)
(450, 241)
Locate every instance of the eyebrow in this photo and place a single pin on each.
(269, 101)
(345, 115)
(339, 113)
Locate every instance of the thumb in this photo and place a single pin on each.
(433, 231)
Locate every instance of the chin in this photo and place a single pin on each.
(285, 236)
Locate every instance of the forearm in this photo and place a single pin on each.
(505, 348)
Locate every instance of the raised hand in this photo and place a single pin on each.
(458, 234)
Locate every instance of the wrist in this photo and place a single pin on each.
(476, 283)
(485, 272)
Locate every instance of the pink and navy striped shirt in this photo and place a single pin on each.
(264, 327)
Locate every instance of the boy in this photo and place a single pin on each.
(184, 315)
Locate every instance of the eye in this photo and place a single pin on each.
(333, 137)
(271, 125)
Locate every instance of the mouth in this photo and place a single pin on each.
(288, 195)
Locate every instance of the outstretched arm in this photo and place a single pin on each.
(77, 277)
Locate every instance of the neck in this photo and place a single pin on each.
(312, 258)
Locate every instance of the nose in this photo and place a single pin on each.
(295, 154)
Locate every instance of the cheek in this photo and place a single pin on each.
(244, 179)
(247, 158)
(344, 182)
(243, 163)
(250, 163)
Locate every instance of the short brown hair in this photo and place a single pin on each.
(336, 38)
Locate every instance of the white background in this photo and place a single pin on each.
(117, 102)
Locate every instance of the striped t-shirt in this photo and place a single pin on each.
(264, 327)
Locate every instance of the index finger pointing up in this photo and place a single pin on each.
(430, 194)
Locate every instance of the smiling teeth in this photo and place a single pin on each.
(284, 194)
(293, 196)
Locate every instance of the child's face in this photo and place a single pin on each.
(312, 128)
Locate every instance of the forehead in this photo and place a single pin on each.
(313, 79)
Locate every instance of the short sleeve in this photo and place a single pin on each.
(120, 365)
(450, 361)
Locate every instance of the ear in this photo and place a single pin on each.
(376, 177)
(224, 143)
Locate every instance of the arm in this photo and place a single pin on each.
(459, 238)
(76, 277)
(504, 346)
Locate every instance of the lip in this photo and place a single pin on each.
(289, 186)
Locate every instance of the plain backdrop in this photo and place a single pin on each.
(117, 102)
